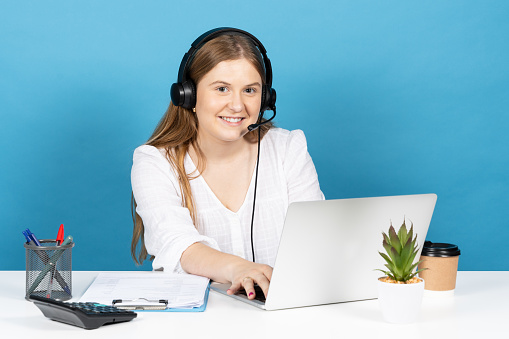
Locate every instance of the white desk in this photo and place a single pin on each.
(480, 307)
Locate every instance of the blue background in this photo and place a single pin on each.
(395, 97)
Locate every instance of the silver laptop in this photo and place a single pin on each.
(328, 251)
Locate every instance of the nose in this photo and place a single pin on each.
(236, 103)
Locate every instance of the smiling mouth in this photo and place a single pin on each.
(234, 120)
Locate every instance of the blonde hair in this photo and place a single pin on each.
(178, 129)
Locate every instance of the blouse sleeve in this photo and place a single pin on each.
(302, 179)
(169, 229)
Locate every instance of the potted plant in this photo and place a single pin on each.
(400, 291)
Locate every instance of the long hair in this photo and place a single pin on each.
(178, 128)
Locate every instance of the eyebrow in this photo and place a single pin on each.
(217, 82)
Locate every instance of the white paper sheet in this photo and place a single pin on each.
(181, 290)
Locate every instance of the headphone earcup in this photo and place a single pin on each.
(268, 98)
(183, 94)
(177, 94)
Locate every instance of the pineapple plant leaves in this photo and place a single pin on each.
(401, 248)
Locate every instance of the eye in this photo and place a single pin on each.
(251, 90)
(222, 89)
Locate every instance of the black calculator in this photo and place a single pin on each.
(85, 315)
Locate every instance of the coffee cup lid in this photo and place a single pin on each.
(435, 249)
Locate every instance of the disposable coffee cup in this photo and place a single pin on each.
(441, 261)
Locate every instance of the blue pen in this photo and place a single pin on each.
(26, 237)
(33, 237)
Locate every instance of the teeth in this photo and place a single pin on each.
(231, 119)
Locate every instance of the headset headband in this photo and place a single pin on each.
(213, 33)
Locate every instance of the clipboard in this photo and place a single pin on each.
(161, 305)
(146, 291)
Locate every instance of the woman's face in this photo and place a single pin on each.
(228, 100)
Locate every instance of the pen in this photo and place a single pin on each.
(50, 283)
(33, 237)
(49, 266)
(45, 259)
(26, 237)
(60, 236)
(32, 240)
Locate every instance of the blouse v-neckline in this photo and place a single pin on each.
(211, 192)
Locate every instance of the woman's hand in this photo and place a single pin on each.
(246, 274)
(202, 260)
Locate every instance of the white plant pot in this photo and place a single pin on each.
(400, 303)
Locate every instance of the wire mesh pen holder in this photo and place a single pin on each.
(49, 270)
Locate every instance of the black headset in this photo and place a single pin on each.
(183, 92)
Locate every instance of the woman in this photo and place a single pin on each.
(194, 182)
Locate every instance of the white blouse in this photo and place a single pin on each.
(286, 174)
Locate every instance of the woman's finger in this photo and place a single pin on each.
(248, 284)
(234, 288)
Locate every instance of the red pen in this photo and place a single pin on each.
(60, 236)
